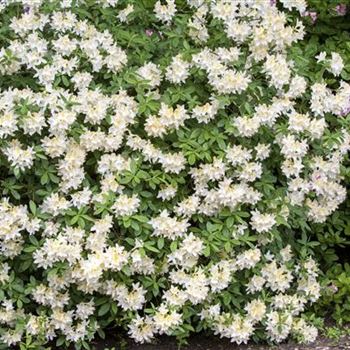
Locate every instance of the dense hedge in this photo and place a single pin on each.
(331, 32)
(173, 167)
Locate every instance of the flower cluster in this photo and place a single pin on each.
(158, 184)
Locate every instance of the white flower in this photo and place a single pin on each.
(277, 68)
(307, 332)
(237, 155)
(171, 228)
(81, 198)
(54, 204)
(177, 71)
(256, 310)
(142, 329)
(33, 225)
(279, 325)
(321, 57)
(262, 151)
(166, 12)
(84, 310)
(19, 157)
(8, 124)
(151, 73)
(277, 277)
(123, 14)
(255, 284)
(165, 319)
(262, 222)
(246, 126)
(125, 205)
(336, 64)
(220, 276)
(206, 112)
(167, 193)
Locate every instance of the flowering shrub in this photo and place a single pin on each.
(159, 162)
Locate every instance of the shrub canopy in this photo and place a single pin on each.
(162, 164)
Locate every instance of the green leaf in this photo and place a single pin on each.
(141, 218)
(206, 251)
(65, 81)
(160, 243)
(19, 303)
(74, 219)
(148, 246)
(30, 249)
(25, 265)
(60, 341)
(114, 308)
(44, 179)
(32, 207)
(173, 246)
(191, 159)
(33, 240)
(104, 309)
(230, 221)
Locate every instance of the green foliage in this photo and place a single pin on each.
(200, 144)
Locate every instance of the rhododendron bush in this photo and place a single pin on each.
(161, 164)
